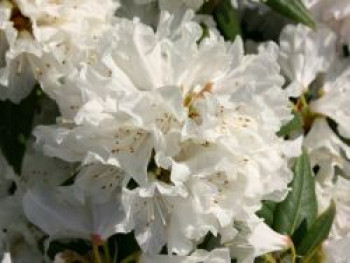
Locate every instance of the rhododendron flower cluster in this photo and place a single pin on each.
(174, 131)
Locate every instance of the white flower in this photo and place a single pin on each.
(337, 251)
(6, 258)
(335, 13)
(38, 169)
(46, 37)
(310, 62)
(335, 99)
(18, 238)
(98, 182)
(193, 124)
(17, 235)
(327, 151)
(304, 54)
(59, 214)
(256, 241)
(339, 192)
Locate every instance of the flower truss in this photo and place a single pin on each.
(174, 131)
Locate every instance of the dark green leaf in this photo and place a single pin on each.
(227, 20)
(301, 202)
(317, 233)
(15, 128)
(299, 233)
(209, 6)
(127, 245)
(293, 9)
(266, 212)
(296, 124)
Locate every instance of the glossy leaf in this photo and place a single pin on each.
(293, 9)
(318, 232)
(15, 128)
(267, 211)
(301, 203)
(296, 124)
(227, 20)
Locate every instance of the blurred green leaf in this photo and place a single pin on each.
(15, 128)
(293, 9)
(267, 211)
(227, 20)
(301, 201)
(318, 232)
(299, 233)
(209, 6)
(296, 124)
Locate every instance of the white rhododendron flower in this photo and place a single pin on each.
(257, 241)
(174, 131)
(183, 112)
(327, 151)
(310, 62)
(304, 54)
(334, 100)
(338, 192)
(17, 236)
(313, 65)
(45, 37)
(67, 217)
(337, 251)
(335, 13)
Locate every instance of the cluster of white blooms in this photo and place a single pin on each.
(335, 13)
(315, 67)
(167, 130)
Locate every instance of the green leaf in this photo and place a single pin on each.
(296, 124)
(301, 201)
(15, 128)
(227, 20)
(209, 7)
(299, 233)
(266, 212)
(293, 9)
(318, 232)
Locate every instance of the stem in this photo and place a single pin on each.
(96, 253)
(107, 253)
(293, 252)
(115, 256)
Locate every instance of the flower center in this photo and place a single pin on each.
(158, 173)
(20, 21)
(192, 96)
(163, 175)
